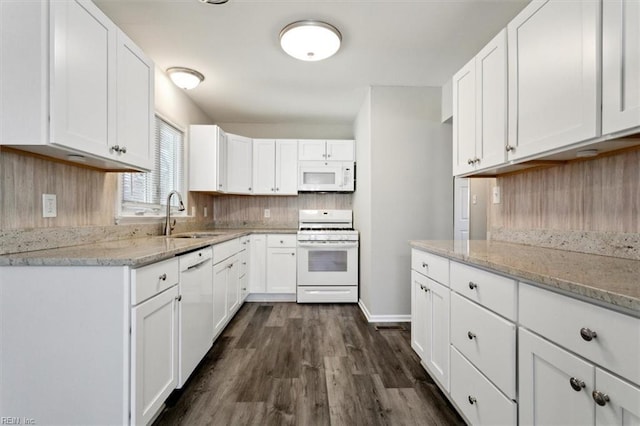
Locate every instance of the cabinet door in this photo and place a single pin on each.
(286, 171)
(264, 166)
(553, 76)
(204, 157)
(239, 164)
(258, 264)
(82, 77)
(419, 287)
(154, 354)
(546, 394)
(312, 149)
(437, 332)
(341, 150)
(233, 284)
(464, 119)
(620, 65)
(220, 284)
(491, 102)
(222, 160)
(135, 106)
(281, 270)
(623, 407)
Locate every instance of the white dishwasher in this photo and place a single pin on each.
(195, 311)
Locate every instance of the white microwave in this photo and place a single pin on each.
(329, 176)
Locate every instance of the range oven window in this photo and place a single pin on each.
(319, 178)
(328, 261)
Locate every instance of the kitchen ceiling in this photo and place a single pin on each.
(250, 79)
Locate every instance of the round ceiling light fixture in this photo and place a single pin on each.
(214, 1)
(310, 40)
(185, 78)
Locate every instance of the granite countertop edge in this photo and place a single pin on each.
(134, 252)
(620, 290)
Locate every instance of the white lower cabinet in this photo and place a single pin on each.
(226, 283)
(476, 397)
(281, 263)
(430, 314)
(258, 264)
(154, 354)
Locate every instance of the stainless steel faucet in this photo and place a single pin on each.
(168, 226)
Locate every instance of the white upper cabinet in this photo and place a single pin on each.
(275, 166)
(620, 65)
(85, 88)
(207, 158)
(464, 119)
(135, 106)
(553, 76)
(323, 150)
(239, 164)
(480, 109)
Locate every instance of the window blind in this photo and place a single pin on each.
(146, 193)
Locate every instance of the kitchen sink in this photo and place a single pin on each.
(204, 234)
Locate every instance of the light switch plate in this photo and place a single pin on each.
(267, 213)
(49, 205)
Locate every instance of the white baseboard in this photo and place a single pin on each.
(382, 318)
(271, 297)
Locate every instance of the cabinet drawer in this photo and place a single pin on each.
(563, 320)
(476, 397)
(492, 291)
(487, 340)
(282, 240)
(320, 294)
(434, 267)
(225, 250)
(153, 279)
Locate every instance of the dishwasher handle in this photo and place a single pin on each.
(196, 265)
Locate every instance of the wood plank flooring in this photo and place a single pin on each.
(289, 364)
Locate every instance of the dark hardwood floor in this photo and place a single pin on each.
(283, 363)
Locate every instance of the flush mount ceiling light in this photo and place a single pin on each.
(310, 40)
(214, 1)
(185, 78)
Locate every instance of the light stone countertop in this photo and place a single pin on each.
(609, 280)
(132, 252)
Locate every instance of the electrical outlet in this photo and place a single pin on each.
(205, 211)
(495, 193)
(474, 199)
(49, 205)
(267, 213)
(193, 210)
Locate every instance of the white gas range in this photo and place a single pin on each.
(327, 257)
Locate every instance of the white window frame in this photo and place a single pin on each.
(124, 216)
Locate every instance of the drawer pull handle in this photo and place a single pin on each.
(471, 335)
(576, 384)
(472, 400)
(472, 285)
(425, 265)
(179, 298)
(588, 334)
(600, 398)
(163, 277)
(421, 287)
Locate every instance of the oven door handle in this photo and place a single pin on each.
(330, 244)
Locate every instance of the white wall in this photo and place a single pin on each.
(407, 190)
(290, 130)
(362, 195)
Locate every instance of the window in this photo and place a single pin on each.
(146, 193)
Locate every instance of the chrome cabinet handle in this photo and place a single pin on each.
(476, 160)
(470, 161)
(123, 150)
(179, 298)
(293, 254)
(163, 277)
(472, 399)
(249, 188)
(277, 189)
(230, 265)
(115, 148)
(425, 265)
(472, 285)
(471, 335)
(576, 384)
(510, 148)
(600, 398)
(588, 334)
